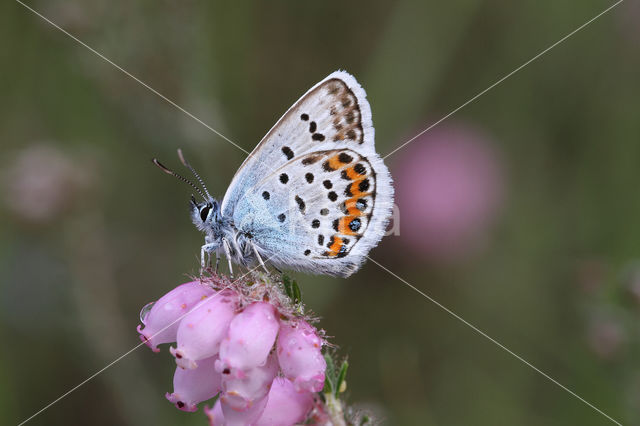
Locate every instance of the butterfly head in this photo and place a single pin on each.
(204, 214)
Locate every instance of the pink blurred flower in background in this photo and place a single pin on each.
(243, 341)
(41, 182)
(606, 336)
(449, 186)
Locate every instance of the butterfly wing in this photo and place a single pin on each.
(333, 113)
(314, 195)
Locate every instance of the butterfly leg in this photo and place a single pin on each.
(206, 250)
(227, 252)
(255, 250)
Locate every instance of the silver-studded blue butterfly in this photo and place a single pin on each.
(313, 195)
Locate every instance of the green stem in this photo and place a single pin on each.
(334, 407)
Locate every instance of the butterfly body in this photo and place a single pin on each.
(313, 195)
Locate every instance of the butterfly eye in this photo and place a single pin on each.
(205, 212)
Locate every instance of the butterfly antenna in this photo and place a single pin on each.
(174, 174)
(188, 166)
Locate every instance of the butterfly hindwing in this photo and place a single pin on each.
(314, 195)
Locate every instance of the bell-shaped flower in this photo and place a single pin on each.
(191, 387)
(242, 394)
(162, 321)
(249, 340)
(300, 356)
(214, 414)
(285, 406)
(249, 416)
(223, 415)
(201, 331)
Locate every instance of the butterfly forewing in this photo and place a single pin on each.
(333, 114)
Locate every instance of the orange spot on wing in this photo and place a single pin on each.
(353, 175)
(355, 189)
(335, 163)
(350, 205)
(334, 249)
(343, 225)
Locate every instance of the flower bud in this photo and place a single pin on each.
(242, 394)
(162, 321)
(249, 340)
(191, 387)
(300, 357)
(285, 405)
(201, 330)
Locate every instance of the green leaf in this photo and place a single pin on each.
(297, 295)
(288, 288)
(291, 289)
(341, 377)
(329, 376)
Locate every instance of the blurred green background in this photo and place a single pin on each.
(520, 213)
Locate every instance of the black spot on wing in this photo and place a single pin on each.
(330, 243)
(327, 167)
(287, 152)
(345, 158)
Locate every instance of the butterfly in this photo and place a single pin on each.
(313, 196)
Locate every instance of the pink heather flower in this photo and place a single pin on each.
(162, 321)
(242, 394)
(449, 186)
(300, 356)
(249, 340)
(285, 406)
(215, 415)
(241, 418)
(201, 330)
(192, 386)
(226, 346)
